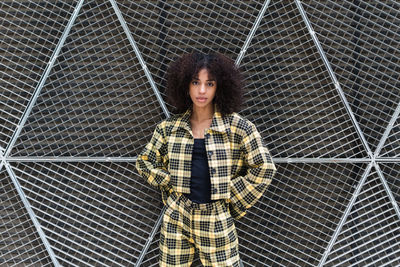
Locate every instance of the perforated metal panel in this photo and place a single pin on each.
(82, 88)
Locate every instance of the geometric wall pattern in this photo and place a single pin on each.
(82, 88)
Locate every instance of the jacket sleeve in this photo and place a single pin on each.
(247, 189)
(152, 162)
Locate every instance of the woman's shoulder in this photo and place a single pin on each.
(172, 121)
(241, 123)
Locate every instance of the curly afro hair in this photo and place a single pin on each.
(181, 72)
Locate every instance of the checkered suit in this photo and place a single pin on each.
(241, 167)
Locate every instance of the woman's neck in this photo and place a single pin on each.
(200, 120)
(200, 114)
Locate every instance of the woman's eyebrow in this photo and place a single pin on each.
(197, 78)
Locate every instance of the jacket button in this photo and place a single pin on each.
(214, 190)
(213, 170)
(210, 153)
(207, 135)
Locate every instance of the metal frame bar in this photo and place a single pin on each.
(31, 213)
(252, 32)
(151, 237)
(2, 159)
(387, 131)
(387, 189)
(320, 160)
(71, 159)
(345, 215)
(139, 56)
(133, 159)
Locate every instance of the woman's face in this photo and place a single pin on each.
(202, 89)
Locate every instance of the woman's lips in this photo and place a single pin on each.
(201, 99)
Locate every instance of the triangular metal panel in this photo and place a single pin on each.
(19, 241)
(391, 148)
(370, 235)
(391, 172)
(97, 100)
(27, 43)
(293, 223)
(361, 41)
(92, 213)
(291, 96)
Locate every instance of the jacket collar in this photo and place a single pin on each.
(218, 123)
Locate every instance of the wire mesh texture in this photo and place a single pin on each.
(82, 88)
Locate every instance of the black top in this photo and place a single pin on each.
(200, 183)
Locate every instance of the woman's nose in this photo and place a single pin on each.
(202, 89)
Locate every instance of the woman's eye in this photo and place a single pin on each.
(211, 84)
(195, 82)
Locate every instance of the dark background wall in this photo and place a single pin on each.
(82, 88)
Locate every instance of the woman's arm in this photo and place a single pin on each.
(151, 163)
(247, 189)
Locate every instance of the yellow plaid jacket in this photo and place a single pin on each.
(241, 167)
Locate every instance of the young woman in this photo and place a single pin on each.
(209, 162)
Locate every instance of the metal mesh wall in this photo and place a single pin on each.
(82, 88)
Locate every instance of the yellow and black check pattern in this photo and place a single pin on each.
(208, 227)
(241, 167)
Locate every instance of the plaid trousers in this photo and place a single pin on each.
(208, 227)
